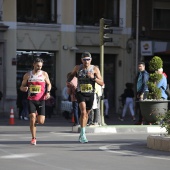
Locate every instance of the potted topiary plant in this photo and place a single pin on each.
(154, 92)
(154, 105)
(154, 109)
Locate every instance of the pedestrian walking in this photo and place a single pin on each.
(128, 96)
(38, 85)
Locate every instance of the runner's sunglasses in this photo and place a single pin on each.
(86, 59)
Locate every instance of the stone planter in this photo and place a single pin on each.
(150, 109)
(159, 142)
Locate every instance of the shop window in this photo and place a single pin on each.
(161, 14)
(89, 12)
(36, 11)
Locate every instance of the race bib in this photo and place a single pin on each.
(35, 88)
(86, 88)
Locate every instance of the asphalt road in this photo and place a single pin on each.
(58, 149)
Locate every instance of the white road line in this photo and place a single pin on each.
(10, 134)
(115, 148)
(19, 156)
(28, 156)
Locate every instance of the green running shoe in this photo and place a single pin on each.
(83, 139)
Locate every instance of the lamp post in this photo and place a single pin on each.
(137, 33)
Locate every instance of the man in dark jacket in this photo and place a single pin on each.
(142, 88)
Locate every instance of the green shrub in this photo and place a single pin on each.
(154, 64)
(165, 121)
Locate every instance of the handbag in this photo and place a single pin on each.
(167, 90)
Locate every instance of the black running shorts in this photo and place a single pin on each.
(88, 99)
(39, 106)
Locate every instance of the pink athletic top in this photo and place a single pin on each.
(36, 84)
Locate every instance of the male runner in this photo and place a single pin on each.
(87, 75)
(38, 85)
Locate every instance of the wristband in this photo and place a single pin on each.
(93, 79)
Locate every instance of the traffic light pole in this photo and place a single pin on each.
(104, 30)
(102, 74)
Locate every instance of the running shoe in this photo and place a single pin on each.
(33, 141)
(133, 118)
(121, 119)
(25, 118)
(83, 139)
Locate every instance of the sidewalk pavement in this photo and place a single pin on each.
(113, 125)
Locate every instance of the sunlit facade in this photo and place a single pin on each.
(59, 31)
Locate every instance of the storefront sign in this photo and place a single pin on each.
(146, 48)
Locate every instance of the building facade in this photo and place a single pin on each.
(154, 30)
(59, 31)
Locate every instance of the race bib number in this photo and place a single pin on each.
(35, 88)
(86, 88)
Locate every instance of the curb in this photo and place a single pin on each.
(122, 129)
(158, 142)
